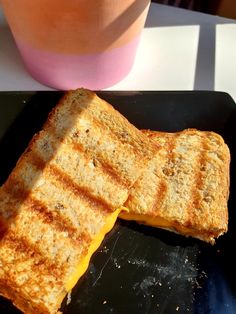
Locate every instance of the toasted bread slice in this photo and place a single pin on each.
(185, 188)
(62, 198)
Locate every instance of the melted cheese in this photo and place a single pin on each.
(145, 219)
(83, 265)
(163, 223)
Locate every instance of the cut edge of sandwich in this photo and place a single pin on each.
(165, 224)
(95, 244)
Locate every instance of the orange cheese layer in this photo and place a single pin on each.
(145, 219)
(163, 223)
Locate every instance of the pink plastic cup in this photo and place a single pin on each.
(65, 44)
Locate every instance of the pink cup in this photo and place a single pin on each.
(65, 44)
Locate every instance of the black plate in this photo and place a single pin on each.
(140, 269)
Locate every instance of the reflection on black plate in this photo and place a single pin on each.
(140, 269)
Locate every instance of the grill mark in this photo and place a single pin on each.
(117, 137)
(199, 178)
(161, 190)
(15, 187)
(135, 148)
(170, 144)
(40, 164)
(59, 222)
(101, 124)
(22, 245)
(83, 192)
(107, 169)
(37, 161)
(13, 291)
(53, 218)
(162, 186)
(78, 147)
(187, 209)
(159, 197)
(3, 227)
(195, 198)
(129, 200)
(112, 173)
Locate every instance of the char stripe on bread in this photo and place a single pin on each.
(23, 246)
(159, 197)
(57, 221)
(106, 169)
(57, 204)
(66, 180)
(195, 205)
(162, 187)
(3, 227)
(53, 218)
(108, 177)
(78, 190)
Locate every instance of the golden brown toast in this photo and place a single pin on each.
(62, 198)
(185, 188)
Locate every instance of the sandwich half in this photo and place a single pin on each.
(63, 196)
(185, 188)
